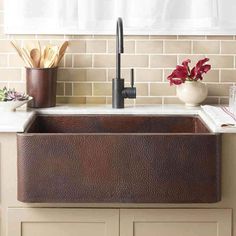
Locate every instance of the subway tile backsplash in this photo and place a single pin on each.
(86, 71)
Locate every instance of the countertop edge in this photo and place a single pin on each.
(14, 122)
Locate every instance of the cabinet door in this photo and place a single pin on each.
(175, 222)
(63, 222)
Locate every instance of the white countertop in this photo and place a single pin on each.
(17, 121)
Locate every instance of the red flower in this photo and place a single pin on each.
(179, 75)
(183, 73)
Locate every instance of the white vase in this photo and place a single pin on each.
(192, 93)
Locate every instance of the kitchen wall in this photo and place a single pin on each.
(86, 71)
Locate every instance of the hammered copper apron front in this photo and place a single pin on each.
(59, 162)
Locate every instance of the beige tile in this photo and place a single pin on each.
(1, 18)
(68, 37)
(167, 72)
(148, 75)
(125, 74)
(18, 86)
(228, 47)
(211, 47)
(212, 76)
(60, 89)
(71, 75)
(15, 61)
(80, 89)
(136, 37)
(2, 35)
(71, 100)
(211, 101)
(149, 46)
(68, 59)
(10, 74)
(77, 46)
(142, 89)
(222, 61)
(56, 42)
(134, 61)
(82, 75)
(192, 37)
(68, 89)
(50, 36)
(96, 75)
(23, 75)
(218, 89)
(4, 84)
(82, 36)
(228, 76)
(179, 47)
(220, 37)
(102, 89)
(128, 102)
(129, 46)
(6, 47)
(82, 60)
(43, 43)
(224, 101)
(96, 46)
(108, 37)
(162, 89)
(95, 100)
(148, 100)
(22, 37)
(194, 59)
(3, 60)
(172, 100)
(1, 5)
(107, 61)
(163, 37)
(31, 43)
(163, 61)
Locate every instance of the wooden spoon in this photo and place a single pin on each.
(50, 56)
(35, 55)
(62, 51)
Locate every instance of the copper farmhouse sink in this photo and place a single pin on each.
(118, 159)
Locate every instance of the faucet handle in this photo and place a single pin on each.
(132, 77)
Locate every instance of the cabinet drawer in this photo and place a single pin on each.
(63, 222)
(176, 222)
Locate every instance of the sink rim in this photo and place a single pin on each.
(195, 116)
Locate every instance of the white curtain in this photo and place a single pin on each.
(41, 16)
(191, 13)
(99, 16)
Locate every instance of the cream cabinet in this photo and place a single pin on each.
(62, 222)
(175, 222)
(114, 222)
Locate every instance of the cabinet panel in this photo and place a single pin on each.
(63, 222)
(176, 222)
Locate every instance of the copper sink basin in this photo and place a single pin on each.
(118, 159)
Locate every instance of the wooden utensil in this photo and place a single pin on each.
(35, 55)
(39, 47)
(62, 51)
(26, 55)
(50, 56)
(20, 53)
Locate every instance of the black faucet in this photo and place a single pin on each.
(119, 92)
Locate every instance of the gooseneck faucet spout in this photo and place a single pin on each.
(119, 92)
(119, 46)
